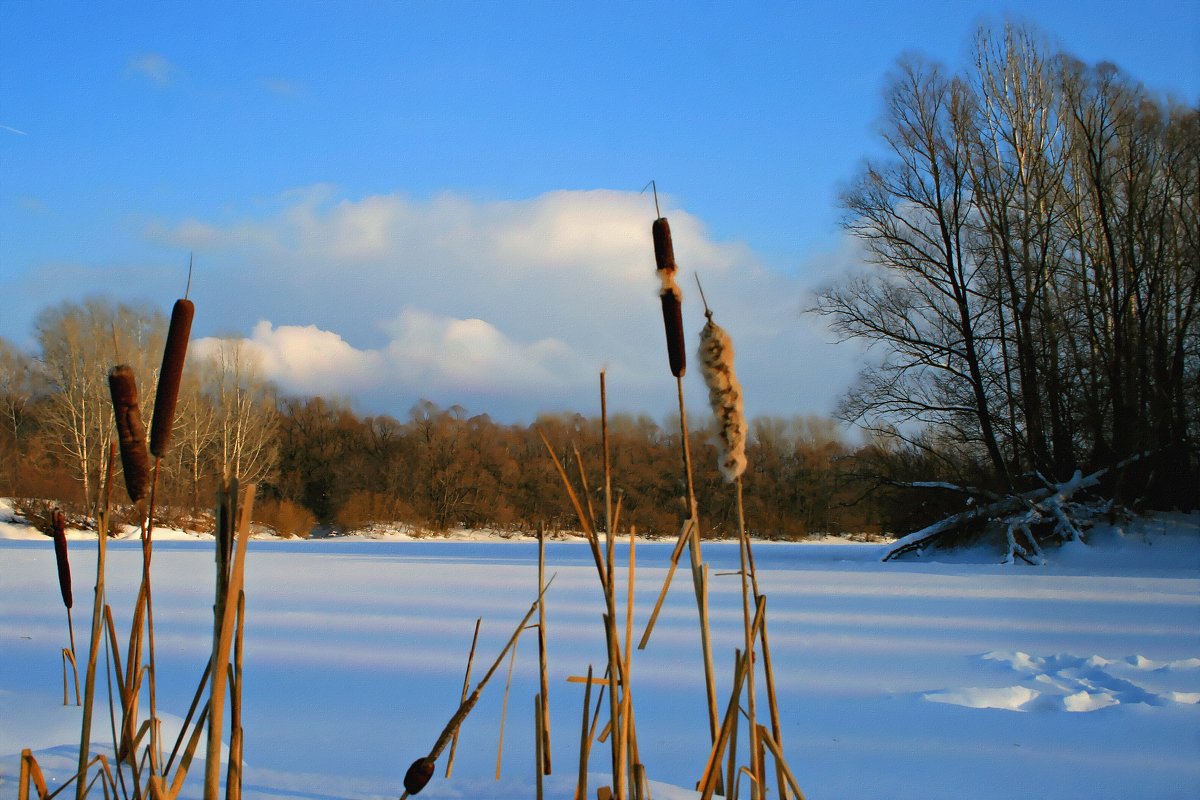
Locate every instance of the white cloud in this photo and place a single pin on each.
(510, 307)
(152, 66)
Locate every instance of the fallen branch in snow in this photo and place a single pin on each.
(1013, 514)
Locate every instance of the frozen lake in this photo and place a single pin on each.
(898, 680)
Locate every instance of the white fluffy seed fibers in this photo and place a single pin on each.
(725, 397)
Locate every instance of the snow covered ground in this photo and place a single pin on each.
(958, 679)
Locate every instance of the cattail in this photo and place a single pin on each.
(169, 376)
(664, 259)
(418, 775)
(59, 532)
(131, 434)
(724, 396)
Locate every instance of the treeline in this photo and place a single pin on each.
(441, 468)
(321, 465)
(1034, 228)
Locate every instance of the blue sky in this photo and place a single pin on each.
(406, 200)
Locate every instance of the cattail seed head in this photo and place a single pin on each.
(418, 775)
(59, 533)
(664, 258)
(169, 376)
(725, 397)
(664, 251)
(131, 433)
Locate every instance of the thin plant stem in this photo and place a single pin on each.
(466, 688)
(89, 686)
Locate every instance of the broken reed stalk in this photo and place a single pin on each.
(421, 770)
(466, 687)
(30, 773)
(544, 703)
(230, 579)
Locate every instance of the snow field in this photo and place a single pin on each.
(898, 680)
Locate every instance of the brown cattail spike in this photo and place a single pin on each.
(673, 322)
(59, 532)
(418, 775)
(169, 376)
(664, 251)
(131, 433)
(664, 258)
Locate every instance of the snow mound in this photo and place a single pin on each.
(1066, 682)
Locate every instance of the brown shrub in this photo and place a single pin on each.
(365, 508)
(285, 517)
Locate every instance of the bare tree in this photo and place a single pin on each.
(247, 420)
(18, 386)
(924, 301)
(79, 343)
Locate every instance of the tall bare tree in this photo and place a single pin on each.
(247, 420)
(78, 343)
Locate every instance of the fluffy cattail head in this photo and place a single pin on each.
(169, 376)
(131, 433)
(725, 397)
(58, 528)
(664, 259)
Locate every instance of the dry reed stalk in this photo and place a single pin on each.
(751, 700)
(539, 733)
(233, 779)
(542, 667)
(585, 744)
(776, 751)
(609, 533)
(187, 719)
(588, 530)
(131, 433)
(421, 770)
(169, 376)
(627, 664)
(466, 687)
(504, 712)
(228, 587)
(69, 657)
(671, 297)
(712, 768)
(89, 685)
(769, 673)
(583, 481)
(31, 773)
(614, 711)
(684, 536)
(185, 762)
